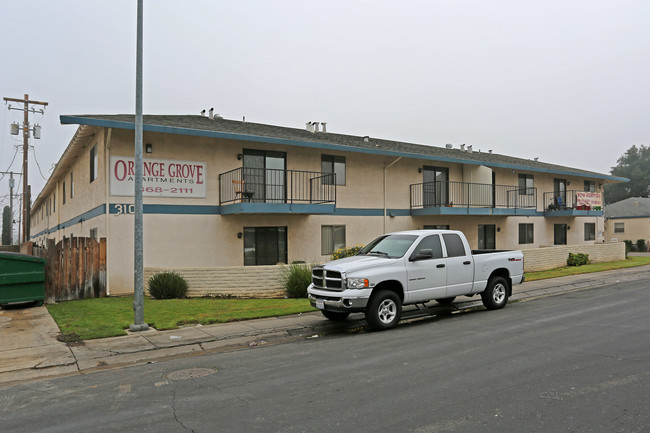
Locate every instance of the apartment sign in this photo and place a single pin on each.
(161, 178)
(589, 199)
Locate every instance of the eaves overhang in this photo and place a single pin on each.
(83, 120)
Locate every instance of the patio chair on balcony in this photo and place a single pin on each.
(241, 192)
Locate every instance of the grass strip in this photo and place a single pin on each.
(587, 269)
(110, 317)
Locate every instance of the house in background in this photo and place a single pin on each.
(628, 219)
(226, 193)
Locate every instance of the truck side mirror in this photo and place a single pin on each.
(423, 254)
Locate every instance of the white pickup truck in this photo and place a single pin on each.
(412, 267)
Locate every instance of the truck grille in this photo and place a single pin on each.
(324, 279)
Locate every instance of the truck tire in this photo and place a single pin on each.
(384, 310)
(445, 301)
(336, 316)
(495, 295)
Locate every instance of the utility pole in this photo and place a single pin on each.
(26, 109)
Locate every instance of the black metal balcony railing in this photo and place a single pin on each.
(259, 185)
(563, 200)
(468, 194)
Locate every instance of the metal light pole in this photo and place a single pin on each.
(138, 262)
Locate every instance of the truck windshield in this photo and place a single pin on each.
(392, 246)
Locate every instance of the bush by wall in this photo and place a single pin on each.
(346, 252)
(640, 244)
(167, 285)
(296, 278)
(578, 259)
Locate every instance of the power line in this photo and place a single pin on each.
(37, 164)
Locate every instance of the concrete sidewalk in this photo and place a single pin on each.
(29, 348)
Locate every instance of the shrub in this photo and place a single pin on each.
(640, 244)
(296, 278)
(167, 285)
(346, 252)
(577, 259)
(628, 246)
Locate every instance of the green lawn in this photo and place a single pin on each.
(108, 317)
(586, 269)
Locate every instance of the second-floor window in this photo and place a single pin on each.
(526, 184)
(71, 185)
(332, 239)
(94, 163)
(63, 192)
(590, 186)
(333, 164)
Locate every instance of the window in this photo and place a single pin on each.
(619, 227)
(437, 227)
(526, 234)
(64, 192)
(332, 238)
(333, 164)
(486, 237)
(590, 186)
(94, 163)
(265, 245)
(93, 234)
(53, 202)
(430, 243)
(590, 231)
(71, 185)
(454, 244)
(526, 184)
(559, 234)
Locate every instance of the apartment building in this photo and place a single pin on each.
(221, 192)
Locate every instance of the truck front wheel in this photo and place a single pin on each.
(384, 310)
(495, 295)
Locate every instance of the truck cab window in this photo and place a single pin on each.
(430, 243)
(454, 245)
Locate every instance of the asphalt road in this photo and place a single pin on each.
(579, 362)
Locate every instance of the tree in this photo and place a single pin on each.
(6, 226)
(635, 165)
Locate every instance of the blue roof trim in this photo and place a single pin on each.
(572, 212)
(475, 211)
(310, 144)
(86, 216)
(626, 217)
(277, 208)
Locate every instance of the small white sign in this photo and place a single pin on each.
(161, 177)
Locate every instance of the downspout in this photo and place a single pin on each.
(386, 168)
(107, 185)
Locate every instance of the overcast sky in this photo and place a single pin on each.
(565, 81)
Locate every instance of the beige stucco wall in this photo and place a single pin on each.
(634, 229)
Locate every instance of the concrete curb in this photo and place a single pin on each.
(29, 355)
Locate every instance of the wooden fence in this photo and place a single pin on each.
(75, 269)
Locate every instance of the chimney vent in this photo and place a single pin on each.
(449, 145)
(211, 113)
(366, 138)
(316, 126)
(324, 126)
(469, 148)
(462, 147)
(490, 151)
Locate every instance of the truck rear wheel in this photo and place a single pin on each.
(335, 316)
(384, 310)
(495, 295)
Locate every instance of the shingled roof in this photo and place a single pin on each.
(239, 130)
(633, 207)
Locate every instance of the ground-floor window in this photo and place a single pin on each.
(590, 231)
(265, 245)
(436, 227)
(486, 237)
(619, 227)
(526, 234)
(332, 238)
(559, 231)
(93, 234)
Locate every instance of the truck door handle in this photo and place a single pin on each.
(467, 263)
(441, 265)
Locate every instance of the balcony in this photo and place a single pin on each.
(248, 190)
(466, 198)
(572, 203)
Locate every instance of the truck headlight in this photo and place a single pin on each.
(357, 283)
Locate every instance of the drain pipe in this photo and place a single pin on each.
(386, 168)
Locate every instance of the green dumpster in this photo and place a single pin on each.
(22, 278)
